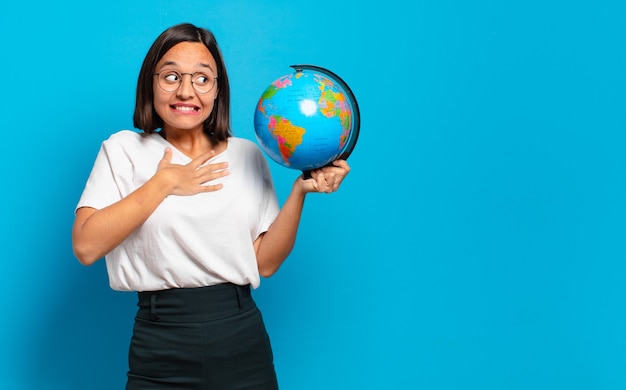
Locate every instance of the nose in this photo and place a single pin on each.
(185, 89)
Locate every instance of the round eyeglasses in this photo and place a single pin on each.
(170, 80)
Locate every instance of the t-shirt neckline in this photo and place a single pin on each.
(167, 143)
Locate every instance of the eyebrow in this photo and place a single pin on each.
(172, 63)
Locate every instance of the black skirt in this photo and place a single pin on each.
(200, 338)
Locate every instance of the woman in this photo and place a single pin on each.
(186, 215)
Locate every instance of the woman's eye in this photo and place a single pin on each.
(172, 78)
(201, 79)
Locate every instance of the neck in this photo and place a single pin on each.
(191, 142)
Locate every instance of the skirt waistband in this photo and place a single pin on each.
(194, 304)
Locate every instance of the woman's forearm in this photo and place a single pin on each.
(278, 241)
(97, 232)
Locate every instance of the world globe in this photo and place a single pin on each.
(306, 119)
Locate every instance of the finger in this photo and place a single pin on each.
(332, 177)
(322, 182)
(343, 164)
(211, 187)
(338, 168)
(201, 159)
(207, 174)
(340, 163)
(215, 167)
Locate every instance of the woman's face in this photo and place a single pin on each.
(185, 108)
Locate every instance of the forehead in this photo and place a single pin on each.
(187, 55)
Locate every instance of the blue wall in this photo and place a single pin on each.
(477, 244)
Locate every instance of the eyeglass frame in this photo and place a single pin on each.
(181, 81)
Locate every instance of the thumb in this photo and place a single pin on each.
(167, 157)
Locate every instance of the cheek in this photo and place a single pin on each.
(209, 104)
(160, 102)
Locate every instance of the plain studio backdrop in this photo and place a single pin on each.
(478, 243)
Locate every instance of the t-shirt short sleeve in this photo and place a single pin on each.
(102, 188)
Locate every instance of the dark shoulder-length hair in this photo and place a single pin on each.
(217, 125)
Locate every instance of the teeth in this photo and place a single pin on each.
(185, 108)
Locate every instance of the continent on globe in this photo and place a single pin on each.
(307, 119)
(288, 136)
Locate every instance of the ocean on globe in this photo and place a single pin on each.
(307, 119)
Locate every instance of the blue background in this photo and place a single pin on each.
(478, 242)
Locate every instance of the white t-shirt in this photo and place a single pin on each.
(189, 241)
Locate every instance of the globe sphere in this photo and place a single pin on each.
(306, 119)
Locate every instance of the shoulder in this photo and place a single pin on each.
(129, 139)
(125, 135)
(243, 145)
(253, 157)
(241, 142)
(246, 150)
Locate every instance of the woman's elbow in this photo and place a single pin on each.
(268, 270)
(84, 256)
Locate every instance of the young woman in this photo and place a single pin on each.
(186, 215)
